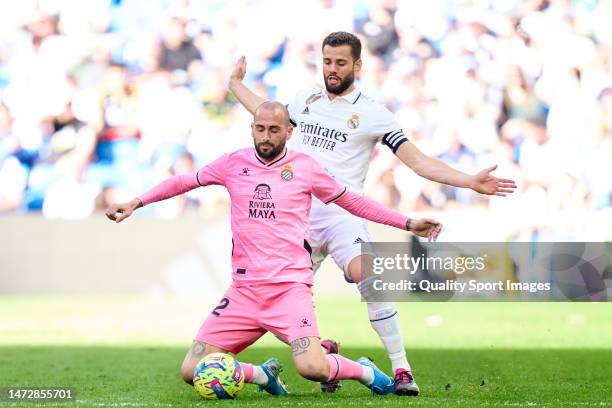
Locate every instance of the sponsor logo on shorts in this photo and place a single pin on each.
(305, 322)
(358, 241)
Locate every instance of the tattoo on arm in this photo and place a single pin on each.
(300, 346)
(198, 348)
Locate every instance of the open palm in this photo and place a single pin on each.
(486, 183)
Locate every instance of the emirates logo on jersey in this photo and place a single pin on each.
(353, 122)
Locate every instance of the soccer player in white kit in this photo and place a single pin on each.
(339, 127)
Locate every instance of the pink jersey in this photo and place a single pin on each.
(270, 207)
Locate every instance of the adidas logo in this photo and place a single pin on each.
(359, 241)
(305, 111)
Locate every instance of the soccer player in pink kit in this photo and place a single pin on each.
(271, 190)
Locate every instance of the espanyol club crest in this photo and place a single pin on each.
(286, 173)
(353, 122)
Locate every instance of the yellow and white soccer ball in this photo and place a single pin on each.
(218, 376)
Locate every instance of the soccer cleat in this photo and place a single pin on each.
(330, 347)
(382, 384)
(275, 386)
(405, 384)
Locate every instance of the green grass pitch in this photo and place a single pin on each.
(464, 354)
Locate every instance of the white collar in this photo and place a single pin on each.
(351, 97)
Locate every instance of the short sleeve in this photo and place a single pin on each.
(324, 186)
(388, 130)
(293, 109)
(214, 172)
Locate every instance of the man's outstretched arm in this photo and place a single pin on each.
(245, 96)
(212, 173)
(168, 188)
(328, 190)
(364, 207)
(436, 170)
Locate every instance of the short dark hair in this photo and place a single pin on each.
(339, 38)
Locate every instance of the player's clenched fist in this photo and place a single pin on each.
(119, 212)
(425, 227)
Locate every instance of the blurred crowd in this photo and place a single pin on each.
(101, 99)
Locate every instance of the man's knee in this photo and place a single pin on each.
(187, 369)
(194, 355)
(360, 268)
(309, 359)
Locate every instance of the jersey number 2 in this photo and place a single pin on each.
(222, 305)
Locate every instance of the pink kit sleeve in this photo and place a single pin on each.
(324, 187)
(328, 190)
(370, 210)
(212, 173)
(169, 188)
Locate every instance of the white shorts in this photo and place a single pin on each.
(339, 236)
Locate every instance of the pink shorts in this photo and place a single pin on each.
(246, 313)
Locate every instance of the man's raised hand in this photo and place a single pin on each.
(239, 70)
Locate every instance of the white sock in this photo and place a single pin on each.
(385, 321)
(368, 375)
(259, 376)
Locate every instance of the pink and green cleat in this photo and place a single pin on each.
(404, 383)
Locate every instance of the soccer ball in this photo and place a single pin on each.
(218, 376)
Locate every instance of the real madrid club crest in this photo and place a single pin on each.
(287, 173)
(353, 122)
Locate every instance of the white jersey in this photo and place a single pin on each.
(341, 134)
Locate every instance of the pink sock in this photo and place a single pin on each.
(247, 370)
(341, 368)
